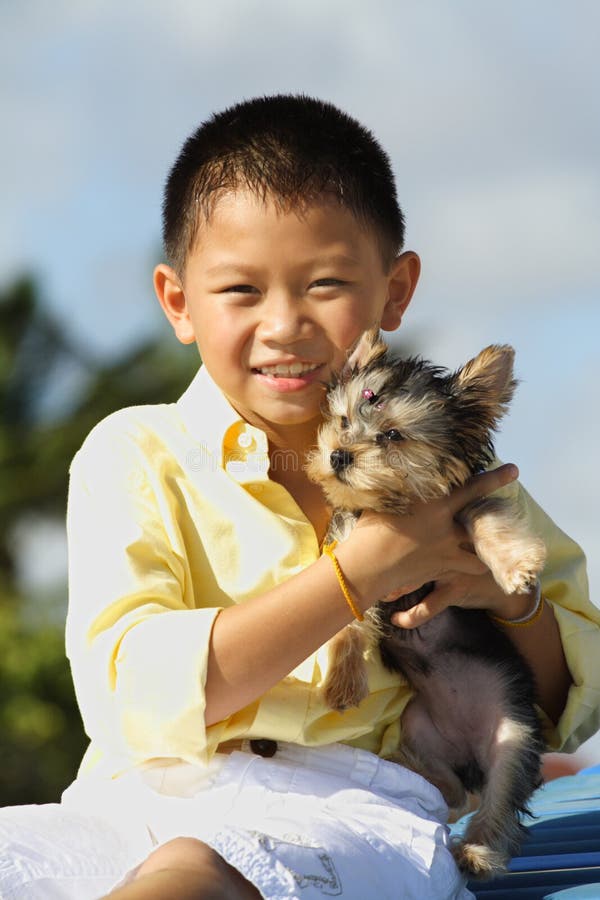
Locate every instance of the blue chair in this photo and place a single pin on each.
(560, 857)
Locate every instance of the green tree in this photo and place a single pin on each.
(41, 737)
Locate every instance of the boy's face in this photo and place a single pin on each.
(274, 300)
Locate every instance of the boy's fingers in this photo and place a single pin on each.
(482, 485)
(429, 607)
(443, 595)
(471, 565)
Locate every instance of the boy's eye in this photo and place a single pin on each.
(344, 421)
(328, 282)
(239, 289)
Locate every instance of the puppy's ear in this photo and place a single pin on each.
(487, 381)
(369, 347)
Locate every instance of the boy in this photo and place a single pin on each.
(200, 602)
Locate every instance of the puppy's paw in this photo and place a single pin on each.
(478, 860)
(503, 540)
(344, 693)
(346, 682)
(517, 567)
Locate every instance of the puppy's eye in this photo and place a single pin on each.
(392, 435)
(344, 421)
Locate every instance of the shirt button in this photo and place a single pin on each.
(245, 440)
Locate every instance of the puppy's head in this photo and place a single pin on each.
(396, 430)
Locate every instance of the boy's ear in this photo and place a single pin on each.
(403, 279)
(171, 297)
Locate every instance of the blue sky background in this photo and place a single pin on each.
(489, 112)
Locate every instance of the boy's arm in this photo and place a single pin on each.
(136, 643)
(256, 644)
(577, 620)
(541, 645)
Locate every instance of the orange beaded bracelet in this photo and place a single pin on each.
(328, 551)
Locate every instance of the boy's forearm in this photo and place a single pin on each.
(541, 646)
(256, 644)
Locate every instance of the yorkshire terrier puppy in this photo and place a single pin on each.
(400, 430)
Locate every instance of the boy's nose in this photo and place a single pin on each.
(282, 320)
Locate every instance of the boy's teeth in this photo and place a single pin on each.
(294, 369)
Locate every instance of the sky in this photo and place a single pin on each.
(489, 112)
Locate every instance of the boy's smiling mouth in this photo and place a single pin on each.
(288, 377)
(287, 370)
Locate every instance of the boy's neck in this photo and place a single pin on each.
(298, 439)
(287, 468)
(291, 441)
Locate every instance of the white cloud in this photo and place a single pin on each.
(528, 237)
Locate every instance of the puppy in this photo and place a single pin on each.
(400, 430)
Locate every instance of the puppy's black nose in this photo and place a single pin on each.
(340, 459)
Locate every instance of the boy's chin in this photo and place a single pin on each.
(292, 417)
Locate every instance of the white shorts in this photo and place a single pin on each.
(308, 823)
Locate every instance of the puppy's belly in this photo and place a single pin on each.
(458, 710)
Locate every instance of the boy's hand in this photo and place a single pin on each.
(387, 555)
(468, 592)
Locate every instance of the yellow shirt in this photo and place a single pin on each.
(172, 517)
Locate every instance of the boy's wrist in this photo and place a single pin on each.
(355, 609)
(516, 607)
(362, 583)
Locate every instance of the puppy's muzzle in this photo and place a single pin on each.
(340, 460)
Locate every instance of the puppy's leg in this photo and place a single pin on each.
(425, 751)
(346, 683)
(504, 542)
(494, 832)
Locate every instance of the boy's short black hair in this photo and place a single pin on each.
(290, 148)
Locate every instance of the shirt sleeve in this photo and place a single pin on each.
(137, 637)
(565, 585)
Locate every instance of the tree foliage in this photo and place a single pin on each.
(41, 737)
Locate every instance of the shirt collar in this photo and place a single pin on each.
(239, 448)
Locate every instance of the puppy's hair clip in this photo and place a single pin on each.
(372, 398)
